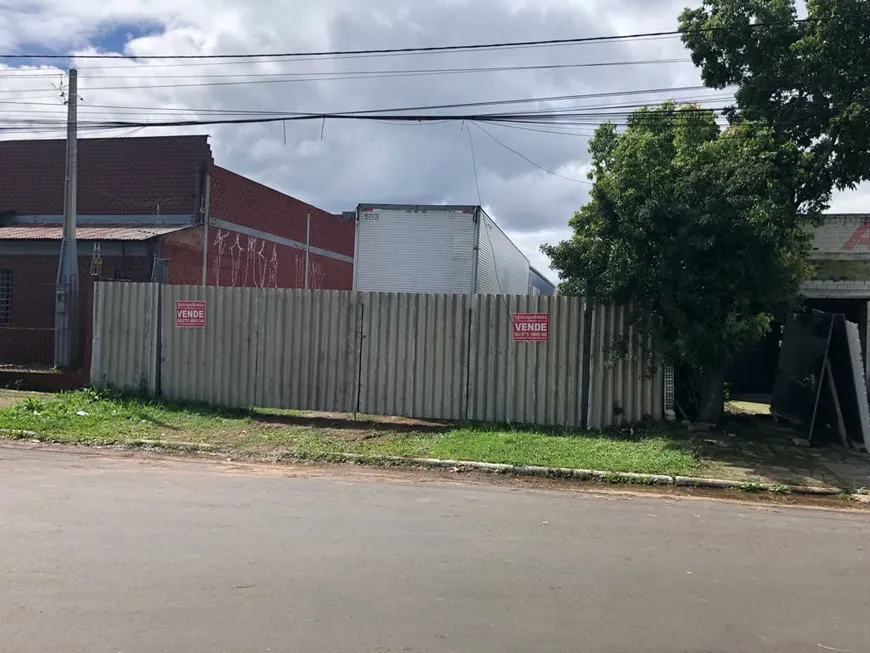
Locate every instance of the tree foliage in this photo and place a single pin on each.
(694, 226)
(806, 76)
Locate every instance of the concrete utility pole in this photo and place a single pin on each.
(66, 301)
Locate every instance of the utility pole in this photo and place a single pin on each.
(66, 300)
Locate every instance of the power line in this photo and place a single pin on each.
(352, 74)
(576, 111)
(430, 107)
(325, 53)
(534, 163)
(406, 50)
(473, 163)
(569, 118)
(256, 82)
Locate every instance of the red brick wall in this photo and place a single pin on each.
(116, 176)
(232, 263)
(238, 199)
(28, 339)
(235, 259)
(183, 249)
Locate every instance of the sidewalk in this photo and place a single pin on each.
(750, 449)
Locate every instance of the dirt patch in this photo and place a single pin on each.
(9, 398)
(360, 424)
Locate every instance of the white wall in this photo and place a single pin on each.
(842, 237)
(502, 268)
(407, 250)
(846, 238)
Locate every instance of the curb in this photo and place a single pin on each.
(578, 474)
(628, 478)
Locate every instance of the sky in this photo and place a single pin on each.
(337, 165)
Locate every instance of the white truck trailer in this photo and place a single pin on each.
(435, 249)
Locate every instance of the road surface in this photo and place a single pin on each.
(115, 554)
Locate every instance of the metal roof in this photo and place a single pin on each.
(103, 232)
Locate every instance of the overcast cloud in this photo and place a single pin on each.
(340, 164)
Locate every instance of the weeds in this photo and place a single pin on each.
(109, 417)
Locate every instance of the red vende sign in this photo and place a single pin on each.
(189, 314)
(531, 327)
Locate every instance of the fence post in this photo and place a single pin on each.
(97, 333)
(158, 349)
(468, 355)
(361, 336)
(588, 307)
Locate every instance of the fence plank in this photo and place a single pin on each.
(124, 351)
(623, 390)
(216, 364)
(308, 352)
(525, 382)
(416, 355)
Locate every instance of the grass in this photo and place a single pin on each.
(94, 417)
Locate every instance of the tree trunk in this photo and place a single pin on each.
(712, 395)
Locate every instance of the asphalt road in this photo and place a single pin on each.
(126, 555)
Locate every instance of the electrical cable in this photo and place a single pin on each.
(473, 162)
(365, 74)
(534, 163)
(406, 50)
(430, 107)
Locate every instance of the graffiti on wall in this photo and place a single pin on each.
(273, 267)
(252, 264)
(316, 273)
(859, 239)
(235, 261)
(220, 246)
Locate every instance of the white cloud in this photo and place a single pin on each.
(852, 201)
(357, 161)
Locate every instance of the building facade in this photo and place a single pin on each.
(841, 284)
(149, 209)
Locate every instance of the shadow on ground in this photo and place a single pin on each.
(340, 422)
(754, 448)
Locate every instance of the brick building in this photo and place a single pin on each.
(149, 209)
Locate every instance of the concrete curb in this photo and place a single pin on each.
(579, 474)
(628, 478)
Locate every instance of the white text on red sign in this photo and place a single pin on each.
(190, 314)
(531, 327)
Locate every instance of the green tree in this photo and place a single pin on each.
(806, 76)
(697, 228)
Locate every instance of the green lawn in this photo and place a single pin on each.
(93, 417)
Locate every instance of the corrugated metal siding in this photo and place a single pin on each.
(540, 283)
(623, 389)
(217, 364)
(526, 382)
(414, 251)
(414, 355)
(502, 269)
(309, 356)
(102, 232)
(124, 352)
(445, 356)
